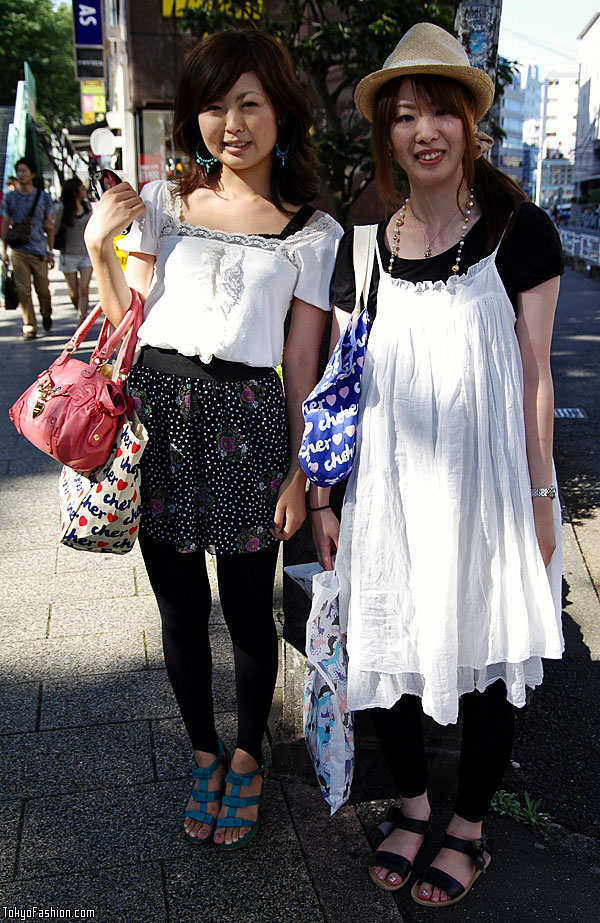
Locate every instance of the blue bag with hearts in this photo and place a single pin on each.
(331, 409)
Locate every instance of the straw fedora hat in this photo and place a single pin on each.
(427, 49)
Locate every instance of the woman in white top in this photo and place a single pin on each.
(449, 577)
(221, 258)
(72, 216)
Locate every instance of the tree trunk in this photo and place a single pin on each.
(477, 26)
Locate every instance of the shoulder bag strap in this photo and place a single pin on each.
(35, 202)
(363, 254)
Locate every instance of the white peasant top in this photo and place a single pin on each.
(216, 294)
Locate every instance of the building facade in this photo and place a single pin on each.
(509, 113)
(556, 167)
(587, 149)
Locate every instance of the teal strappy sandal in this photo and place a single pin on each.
(236, 800)
(201, 794)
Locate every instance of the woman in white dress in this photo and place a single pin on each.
(447, 550)
(221, 258)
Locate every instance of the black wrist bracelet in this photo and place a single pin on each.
(317, 509)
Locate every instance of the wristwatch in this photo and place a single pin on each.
(544, 492)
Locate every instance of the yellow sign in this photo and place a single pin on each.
(92, 87)
(178, 7)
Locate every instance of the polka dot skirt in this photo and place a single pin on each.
(217, 453)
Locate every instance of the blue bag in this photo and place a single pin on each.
(331, 409)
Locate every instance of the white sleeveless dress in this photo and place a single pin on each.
(442, 582)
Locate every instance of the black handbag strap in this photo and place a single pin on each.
(35, 202)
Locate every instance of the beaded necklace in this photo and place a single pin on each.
(400, 222)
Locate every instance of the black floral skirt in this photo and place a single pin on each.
(216, 456)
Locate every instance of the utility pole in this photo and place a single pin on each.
(477, 26)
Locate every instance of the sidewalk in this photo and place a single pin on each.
(94, 761)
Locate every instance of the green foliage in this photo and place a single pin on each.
(333, 45)
(40, 33)
(508, 804)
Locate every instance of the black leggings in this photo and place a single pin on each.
(487, 740)
(180, 584)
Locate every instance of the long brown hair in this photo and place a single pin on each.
(210, 71)
(68, 197)
(498, 196)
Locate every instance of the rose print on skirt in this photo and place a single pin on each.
(252, 394)
(141, 403)
(161, 505)
(187, 401)
(254, 539)
(269, 484)
(231, 444)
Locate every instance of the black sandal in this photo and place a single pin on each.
(395, 820)
(440, 879)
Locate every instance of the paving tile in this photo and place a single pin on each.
(337, 853)
(107, 828)
(32, 535)
(20, 620)
(8, 447)
(266, 883)
(90, 585)
(113, 697)
(18, 707)
(69, 559)
(131, 892)
(65, 761)
(10, 814)
(71, 617)
(40, 567)
(21, 661)
(107, 698)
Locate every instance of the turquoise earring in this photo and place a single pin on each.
(207, 163)
(281, 155)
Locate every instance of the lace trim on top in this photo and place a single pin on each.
(173, 225)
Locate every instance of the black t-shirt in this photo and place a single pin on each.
(529, 254)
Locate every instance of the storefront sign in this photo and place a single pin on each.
(93, 101)
(89, 63)
(88, 23)
(89, 52)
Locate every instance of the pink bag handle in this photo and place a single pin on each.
(106, 345)
(128, 327)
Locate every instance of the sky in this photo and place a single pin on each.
(544, 32)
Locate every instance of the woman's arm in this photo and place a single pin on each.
(300, 363)
(116, 210)
(536, 309)
(325, 524)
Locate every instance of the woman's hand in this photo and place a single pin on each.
(290, 511)
(326, 532)
(116, 210)
(543, 516)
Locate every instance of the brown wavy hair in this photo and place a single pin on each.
(210, 71)
(499, 196)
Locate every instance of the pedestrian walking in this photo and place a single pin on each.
(29, 210)
(70, 220)
(221, 256)
(447, 550)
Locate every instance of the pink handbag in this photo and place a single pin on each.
(74, 409)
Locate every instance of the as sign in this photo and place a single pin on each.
(88, 23)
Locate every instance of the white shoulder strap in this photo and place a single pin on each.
(365, 241)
